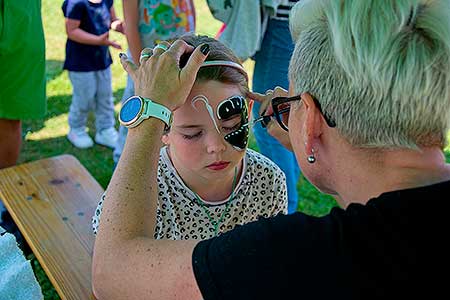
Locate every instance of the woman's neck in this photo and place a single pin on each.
(390, 171)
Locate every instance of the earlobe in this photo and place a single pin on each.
(313, 127)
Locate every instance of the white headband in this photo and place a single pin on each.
(226, 63)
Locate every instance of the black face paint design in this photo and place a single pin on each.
(235, 105)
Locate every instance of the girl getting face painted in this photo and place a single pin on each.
(208, 181)
(206, 143)
(202, 140)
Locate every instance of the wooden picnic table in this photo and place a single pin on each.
(52, 201)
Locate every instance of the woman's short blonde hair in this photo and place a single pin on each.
(379, 68)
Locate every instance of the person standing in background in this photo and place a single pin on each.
(22, 78)
(22, 92)
(271, 70)
(147, 23)
(89, 64)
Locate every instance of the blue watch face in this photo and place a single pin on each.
(130, 109)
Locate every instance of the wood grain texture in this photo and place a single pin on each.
(52, 201)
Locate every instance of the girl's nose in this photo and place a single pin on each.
(215, 143)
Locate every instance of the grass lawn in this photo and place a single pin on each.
(47, 137)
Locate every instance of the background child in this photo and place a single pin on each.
(148, 22)
(88, 61)
(207, 182)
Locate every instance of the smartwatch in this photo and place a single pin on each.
(136, 109)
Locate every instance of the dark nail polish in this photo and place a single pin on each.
(204, 49)
(121, 55)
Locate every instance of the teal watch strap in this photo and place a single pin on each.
(155, 110)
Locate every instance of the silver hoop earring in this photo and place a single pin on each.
(311, 158)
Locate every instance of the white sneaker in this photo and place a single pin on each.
(107, 137)
(79, 138)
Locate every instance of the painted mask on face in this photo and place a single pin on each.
(228, 108)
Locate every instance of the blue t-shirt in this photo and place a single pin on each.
(94, 18)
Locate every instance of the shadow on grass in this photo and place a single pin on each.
(56, 106)
(53, 68)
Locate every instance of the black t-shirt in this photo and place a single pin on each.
(394, 246)
(95, 18)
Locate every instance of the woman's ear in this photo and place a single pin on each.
(313, 122)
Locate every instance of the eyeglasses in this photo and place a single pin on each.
(281, 107)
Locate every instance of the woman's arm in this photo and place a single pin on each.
(131, 18)
(128, 262)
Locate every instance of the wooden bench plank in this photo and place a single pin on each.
(52, 201)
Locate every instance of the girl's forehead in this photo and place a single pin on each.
(215, 91)
(204, 94)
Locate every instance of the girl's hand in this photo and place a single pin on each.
(105, 41)
(118, 25)
(159, 76)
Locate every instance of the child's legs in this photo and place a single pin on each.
(10, 142)
(104, 106)
(84, 88)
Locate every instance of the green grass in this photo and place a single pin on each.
(47, 137)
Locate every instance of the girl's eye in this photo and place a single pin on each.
(234, 128)
(192, 136)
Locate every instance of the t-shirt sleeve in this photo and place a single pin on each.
(109, 3)
(263, 259)
(73, 9)
(97, 214)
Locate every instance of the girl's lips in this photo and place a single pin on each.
(220, 165)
